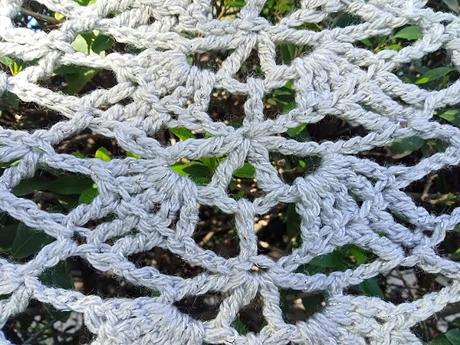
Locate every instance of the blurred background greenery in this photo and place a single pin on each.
(278, 231)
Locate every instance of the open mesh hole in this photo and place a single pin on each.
(79, 80)
(202, 307)
(77, 274)
(340, 259)
(227, 107)
(408, 151)
(166, 262)
(224, 9)
(211, 60)
(18, 115)
(438, 192)
(279, 101)
(244, 185)
(53, 190)
(444, 6)
(432, 72)
(42, 324)
(278, 231)
(18, 242)
(299, 306)
(250, 68)
(291, 167)
(250, 318)
(88, 144)
(400, 37)
(333, 128)
(449, 115)
(402, 285)
(216, 231)
(275, 10)
(286, 52)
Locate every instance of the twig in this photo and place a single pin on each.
(41, 17)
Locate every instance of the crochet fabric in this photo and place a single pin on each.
(346, 200)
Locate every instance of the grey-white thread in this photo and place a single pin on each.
(335, 78)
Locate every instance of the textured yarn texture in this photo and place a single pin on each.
(346, 200)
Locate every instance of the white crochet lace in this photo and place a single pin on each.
(347, 200)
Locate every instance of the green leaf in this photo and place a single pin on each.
(101, 43)
(453, 5)
(85, 2)
(453, 336)
(28, 242)
(71, 184)
(182, 133)
(198, 172)
(292, 222)
(28, 186)
(88, 195)
(455, 255)
(103, 153)
(405, 146)
(246, 171)
(434, 74)
(76, 77)
(58, 276)
(439, 341)
(132, 155)
(410, 33)
(371, 287)
(359, 255)
(80, 44)
(240, 326)
(7, 235)
(451, 115)
(293, 132)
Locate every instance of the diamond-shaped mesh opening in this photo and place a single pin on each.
(279, 101)
(399, 38)
(88, 144)
(216, 231)
(402, 285)
(286, 52)
(274, 10)
(16, 114)
(340, 259)
(441, 328)
(299, 306)
(291, 167)
(202, 307)
(432, 72)
(53, 190)
(332, 128)
(18, 241)
(79, 80)
(444, 6)
(438, 192)
(226, 9)
(408, 151)
(211, 60)
(250, 318)
(278, 231)
(227, 107)
(448, 115)
(244, 185)
(78, 274)
(250, 68)
(165, 262)
(43, 324)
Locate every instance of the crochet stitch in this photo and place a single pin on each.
(348, 199)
